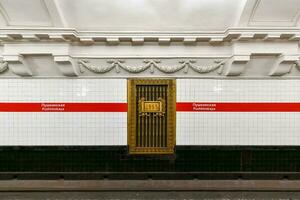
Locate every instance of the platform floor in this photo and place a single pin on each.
(148, 185)
(146, 195)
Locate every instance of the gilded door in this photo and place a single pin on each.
(151, 116)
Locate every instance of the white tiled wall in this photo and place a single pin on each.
(63, 128)
(63, 90)
(218, 90)
(74, 128)
(238, 128)
(110, 128)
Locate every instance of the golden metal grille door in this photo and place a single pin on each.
(151, 116)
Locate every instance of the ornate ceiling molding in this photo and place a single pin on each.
(274, 55)
(235, 66)
(139, 38)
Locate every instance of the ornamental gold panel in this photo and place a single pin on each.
(151, 116)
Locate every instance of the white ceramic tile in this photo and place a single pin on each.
(75, 128)
(213, 90)
(238, 128)
(63, 128)
(63, 90)
(197, 128)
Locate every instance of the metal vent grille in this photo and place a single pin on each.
(151, 126)
(151, 116)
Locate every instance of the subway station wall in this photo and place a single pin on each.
(93, 112)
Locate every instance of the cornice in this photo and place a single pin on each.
(236, 66)
(235, 52)
(139, 38)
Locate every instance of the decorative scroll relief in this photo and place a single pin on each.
(3, 66)
(165, 69)
(152, 64)
(133, 69)
(283, 64)
(202, 69)
(93, 68)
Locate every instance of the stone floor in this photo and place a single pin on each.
(146, 195)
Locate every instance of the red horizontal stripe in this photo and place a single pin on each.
(63, 107)
(237, 107)
(180, 107)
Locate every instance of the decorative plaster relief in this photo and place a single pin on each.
(297, 65)
(152, 64)
(66, 65)
(93, 68)
(283, 65)
(235, 66)
(3, 66)
(19, 65)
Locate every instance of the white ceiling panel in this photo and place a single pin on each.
(150, 15)
(275, 13)
(25, 13)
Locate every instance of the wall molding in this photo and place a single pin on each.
(149, 63)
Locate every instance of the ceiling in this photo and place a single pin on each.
(149, 15)
(246, 38)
